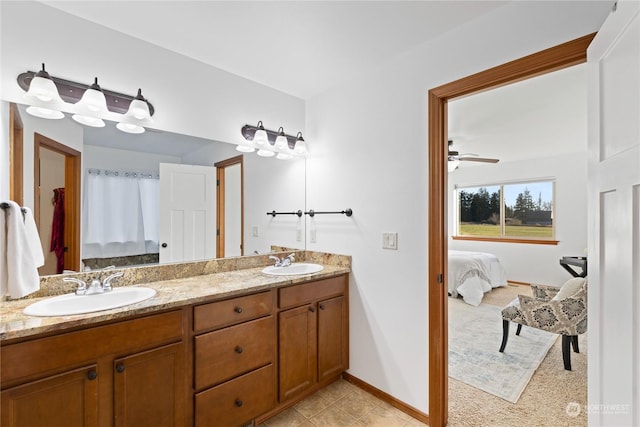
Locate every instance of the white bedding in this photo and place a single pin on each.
(471, 274)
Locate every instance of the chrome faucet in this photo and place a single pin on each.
(96, 287)
(284, 262)
(106, 283)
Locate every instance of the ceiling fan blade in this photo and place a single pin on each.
(478, 159)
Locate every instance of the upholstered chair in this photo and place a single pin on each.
(560, 310)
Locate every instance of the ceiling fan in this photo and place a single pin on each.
(455, 158)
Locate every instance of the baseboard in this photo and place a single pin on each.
(409, 410)
(519, 283)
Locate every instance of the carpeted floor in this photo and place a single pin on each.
(543, 402)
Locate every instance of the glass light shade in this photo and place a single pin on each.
(44, 89)
(266, 153)
(139, 110)
(301, 146)
(88, 120)
(245, 148)
(260, 137)
(284, 156)
(130, 128)
(94, 101)
(452, 165)
(44, 113)
(281, 142)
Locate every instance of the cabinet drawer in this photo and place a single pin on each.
(308, 292)
(238, 401)
(228, 352)
(24, 361)
(228, 312)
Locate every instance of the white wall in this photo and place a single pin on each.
(4, 151)
(370, 154)
(269, 184)
(528, 262)
(124, 160)
(65, 132)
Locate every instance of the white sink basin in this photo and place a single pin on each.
(69, 304)
(294, 269)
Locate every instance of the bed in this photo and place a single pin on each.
(471, 274)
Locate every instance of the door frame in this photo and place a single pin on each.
(220, 203)
(72, 183)
(16, 155)
(555, 58)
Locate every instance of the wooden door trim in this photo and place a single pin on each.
(72, 184)
(220, 193)
(562, 56)
(16, 155)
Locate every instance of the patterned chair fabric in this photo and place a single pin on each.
(565, 316)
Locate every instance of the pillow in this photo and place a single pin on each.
(569, 288)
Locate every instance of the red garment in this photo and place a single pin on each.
(57, 229)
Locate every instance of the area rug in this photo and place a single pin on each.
(475, 334)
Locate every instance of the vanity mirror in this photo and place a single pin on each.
(75, 158)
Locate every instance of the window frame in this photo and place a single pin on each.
(503, 237)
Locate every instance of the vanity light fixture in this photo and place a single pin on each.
(271, 143)
(50, 97)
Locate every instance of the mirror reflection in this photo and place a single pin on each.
(102, 197)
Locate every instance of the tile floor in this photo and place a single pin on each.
(342, 404)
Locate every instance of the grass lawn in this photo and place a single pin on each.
(487, 230)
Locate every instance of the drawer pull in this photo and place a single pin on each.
(239, 403)
(120, 367)
(92, 374)
(312, 309)
(239, 350)
(321, 306)
(238, 310)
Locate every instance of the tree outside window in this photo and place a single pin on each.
(521, 210)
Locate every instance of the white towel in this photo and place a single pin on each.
(22, 254)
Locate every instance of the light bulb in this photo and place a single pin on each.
(44, 113)
(88, 120)
(130, 128)
(266, 153)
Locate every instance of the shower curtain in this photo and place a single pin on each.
(120, 214)
(57, 229)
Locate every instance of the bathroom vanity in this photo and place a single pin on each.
(220, 349)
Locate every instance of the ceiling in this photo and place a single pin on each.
(305, 47)
(535, 118)
(298, 47)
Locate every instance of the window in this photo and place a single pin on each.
(507, 211)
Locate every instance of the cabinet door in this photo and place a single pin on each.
(68, 399)
(297, 350)
(332, 338)
(149, 388)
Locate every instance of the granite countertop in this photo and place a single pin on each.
(172, 293)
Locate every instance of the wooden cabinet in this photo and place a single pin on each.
(234, 361)
(147, 388)
(62, 400)
(313, 335)
(220, 363)
(81, 378)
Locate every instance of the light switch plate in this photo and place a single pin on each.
(255, 231)
(390, 241)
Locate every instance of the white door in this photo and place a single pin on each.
(232, 211)
(614, 219)
(187, 212)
